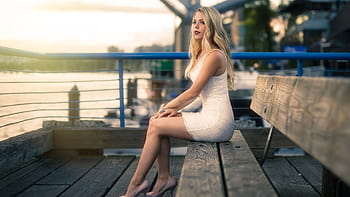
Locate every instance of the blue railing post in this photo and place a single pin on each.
(300, 67)
(121, 94)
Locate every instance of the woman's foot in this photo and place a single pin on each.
(163, 186)
(136, 190)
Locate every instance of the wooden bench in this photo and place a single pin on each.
(313, 113)
(222, 169)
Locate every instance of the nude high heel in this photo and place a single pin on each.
(141, 189)
(169, 186)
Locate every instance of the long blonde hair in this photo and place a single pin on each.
(215, 34)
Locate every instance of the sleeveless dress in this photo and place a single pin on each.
(215, 122)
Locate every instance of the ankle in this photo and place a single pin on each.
(164, 178)
(136, 182)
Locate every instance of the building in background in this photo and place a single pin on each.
(316, 24)
(319, 26)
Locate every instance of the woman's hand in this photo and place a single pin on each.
(166, 112)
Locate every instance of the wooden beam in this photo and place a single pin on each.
(313, 112)
(103, 137)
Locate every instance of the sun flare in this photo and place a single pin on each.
(47, 26)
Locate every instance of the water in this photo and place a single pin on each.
(59, 109)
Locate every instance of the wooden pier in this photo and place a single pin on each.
(68, 172)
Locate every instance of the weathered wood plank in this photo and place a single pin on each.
(99, 138)
(71, 171)
(20, 171)
(311, 170)
(201, 174)
(43, 191)
(286, 179)
(120, 187)
(18, 184)
(243, 174)
(17, 168)
(100, 179)
(313, 112)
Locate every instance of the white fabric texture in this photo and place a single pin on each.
(215, 122)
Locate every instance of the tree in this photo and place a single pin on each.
(259, 35)
(114, 49)
(154, 48)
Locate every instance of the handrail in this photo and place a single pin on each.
(177, 55)
(185, 55)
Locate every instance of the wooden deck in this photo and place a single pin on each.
(69, 174)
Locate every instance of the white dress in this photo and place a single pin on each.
(214, 123)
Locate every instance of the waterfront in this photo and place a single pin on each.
(52, 96)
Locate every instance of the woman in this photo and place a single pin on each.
(211, 71)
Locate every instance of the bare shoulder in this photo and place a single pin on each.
(216, 57)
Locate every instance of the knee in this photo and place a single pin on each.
(153, 128)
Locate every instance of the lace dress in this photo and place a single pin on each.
(214, 123)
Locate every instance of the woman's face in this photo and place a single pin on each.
(198, 26)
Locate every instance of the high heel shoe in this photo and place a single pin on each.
(141, 189)
(169, 186)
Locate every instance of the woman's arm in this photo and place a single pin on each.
(193, 106)
(212, 64)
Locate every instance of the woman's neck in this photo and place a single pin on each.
(206, 50)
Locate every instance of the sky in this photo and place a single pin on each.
(85, 25)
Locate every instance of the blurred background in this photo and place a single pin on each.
(162, 25)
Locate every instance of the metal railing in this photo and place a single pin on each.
(120, 74)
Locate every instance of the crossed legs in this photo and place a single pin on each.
(157, 147)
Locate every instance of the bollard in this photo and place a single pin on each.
(74, 101)
(132, 91)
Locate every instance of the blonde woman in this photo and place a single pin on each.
(211, 72)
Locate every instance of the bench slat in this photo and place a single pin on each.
(243, 174)
(201, 175)
(313, 112)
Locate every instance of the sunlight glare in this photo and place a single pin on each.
(29, 22)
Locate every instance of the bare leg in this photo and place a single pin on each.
(163, 158)
(158, 129)
(163, 163)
